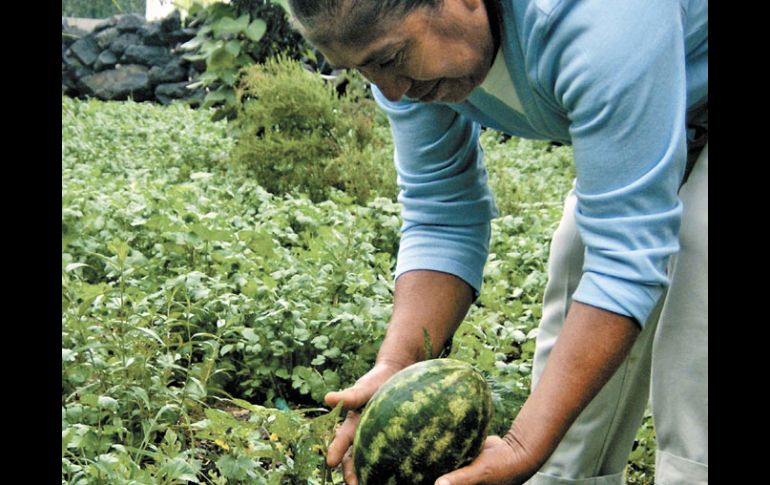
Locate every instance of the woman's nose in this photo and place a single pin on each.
(394, 87)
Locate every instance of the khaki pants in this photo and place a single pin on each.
(668, 363)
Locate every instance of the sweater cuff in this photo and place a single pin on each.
(618, 296)
(461, 251)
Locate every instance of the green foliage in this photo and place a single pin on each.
(184, 281)
(100, 8)
(641, 462)
(235, 35)
(527, 175)
(203, 318)
(268, 445)
(296, 134)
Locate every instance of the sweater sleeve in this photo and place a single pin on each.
(618, 69)
(447, 205)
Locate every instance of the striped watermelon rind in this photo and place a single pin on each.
(426, 420)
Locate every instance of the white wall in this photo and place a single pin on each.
(158, 9)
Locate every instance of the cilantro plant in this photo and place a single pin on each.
(204, 318)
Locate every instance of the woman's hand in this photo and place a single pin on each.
(503, 461)
(354, 398)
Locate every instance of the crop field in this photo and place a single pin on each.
(204, 318)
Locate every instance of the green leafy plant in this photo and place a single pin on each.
(232, 36)
(296, 133)
(204, 318)
(641, 462)
(100, 8)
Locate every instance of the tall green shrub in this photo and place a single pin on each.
(296, 134)
(235, 35)
(101, 8)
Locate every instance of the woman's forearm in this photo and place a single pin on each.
(592, 345)
(432, 300)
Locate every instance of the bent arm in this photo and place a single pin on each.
(590, 348)
(432, 300)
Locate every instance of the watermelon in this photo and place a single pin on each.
(426, 420)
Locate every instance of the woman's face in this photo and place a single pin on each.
(430, 54)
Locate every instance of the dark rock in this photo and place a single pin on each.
(77, 78)
(121, 42)
(105, 37)
(86, 50)
(152, 35)
(70, 60)
(106, 60)
(147, 55)
(192, 72)
(199, 65)
(119, 83)
(196, 98)
(171, 72)
(68, 83)
(130, 22)
(172, 22)
(82, 72)
(106, 23)
(69, 34)
(165, 93)
(181, 36)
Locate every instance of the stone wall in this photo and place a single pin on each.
(126, 57)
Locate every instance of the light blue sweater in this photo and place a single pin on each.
(613, 78)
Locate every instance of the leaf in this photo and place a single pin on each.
(282, 373)
(73, 266)
(427, 345)
(233, 47)
(229, 25)
(332, 353)
(107, 402)
(247, 405)
(320, 342)
(202, 175)
(323, 426)
(213, 98)
(235, 468)
(191, 44)
(256, 30)
(140, 394)
(119, 248)
(229, 76)
(284, 4)
(250, 335)
(151, 333)
(179, 469)
(68, 355)
(221, 58)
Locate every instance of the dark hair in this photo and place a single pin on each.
(350, 21)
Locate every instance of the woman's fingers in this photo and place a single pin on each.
(343, 439)
(348, 470)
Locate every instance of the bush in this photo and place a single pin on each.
(296, 134)
(100, 8)
(235, 35)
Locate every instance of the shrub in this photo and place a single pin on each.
(100, 8)
(296, 134)
(235, 35)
